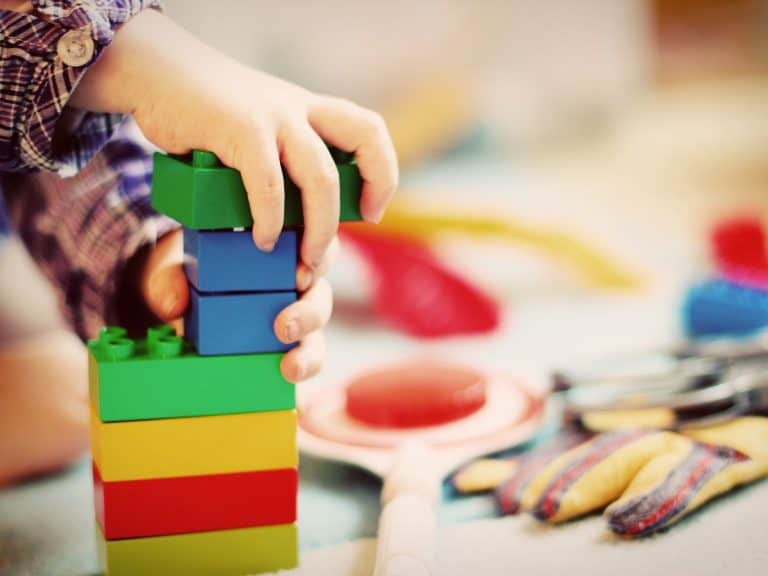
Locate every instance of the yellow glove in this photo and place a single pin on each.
(646, 479)
(671, 485)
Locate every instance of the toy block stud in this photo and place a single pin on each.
(112, 332)
(114, 344)
(119, 349)
(203, 159)
(162, 342)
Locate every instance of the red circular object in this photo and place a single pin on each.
(415, 395)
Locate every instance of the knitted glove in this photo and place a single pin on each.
(647, 479)
(714, 461)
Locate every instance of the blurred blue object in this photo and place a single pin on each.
(721, 308)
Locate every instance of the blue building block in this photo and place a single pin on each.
(235, 323)
(719, 308)
(228, 261)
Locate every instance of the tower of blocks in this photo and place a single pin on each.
(194, 439)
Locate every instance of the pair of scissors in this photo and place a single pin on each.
(696, 383)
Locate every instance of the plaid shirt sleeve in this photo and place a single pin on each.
(79, 201)
(40, 67)
(82, 230)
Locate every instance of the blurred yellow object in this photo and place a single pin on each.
(647, 479)
(607, 420)
(594, 474)
(747, 434)
(598, 269)
(483, 475)
(429, 118)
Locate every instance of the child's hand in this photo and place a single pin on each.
(185, 95)
(165, 291)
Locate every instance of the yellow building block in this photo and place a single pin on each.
(194, 446)
(220, 553)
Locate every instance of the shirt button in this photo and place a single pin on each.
(75, 48)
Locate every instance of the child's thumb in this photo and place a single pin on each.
(164, 285)
(169, 296)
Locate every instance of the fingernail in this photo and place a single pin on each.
(266, 246)
(304, 280)
(170, 305)
(301, 370)
(292, 331)
(375, 216)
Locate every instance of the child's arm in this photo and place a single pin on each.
(64, 55)
(81, 229)
(186, 95)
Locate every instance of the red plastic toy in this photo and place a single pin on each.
(415, 293)
(415, 394)
(739, 251)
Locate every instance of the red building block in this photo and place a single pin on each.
(155, 507)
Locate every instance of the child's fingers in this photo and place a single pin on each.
(305, 276)
(350, 127)
(311, 167)
(305, 360)
(163, 283)
(259, 165)
(307, 315)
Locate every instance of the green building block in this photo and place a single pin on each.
(199, 192)
(163, 377)
(231, 552)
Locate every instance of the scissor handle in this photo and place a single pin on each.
(688, 360)
(408, 524)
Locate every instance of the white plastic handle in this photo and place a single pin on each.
(408, 526)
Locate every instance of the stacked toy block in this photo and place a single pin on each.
(194, 439)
